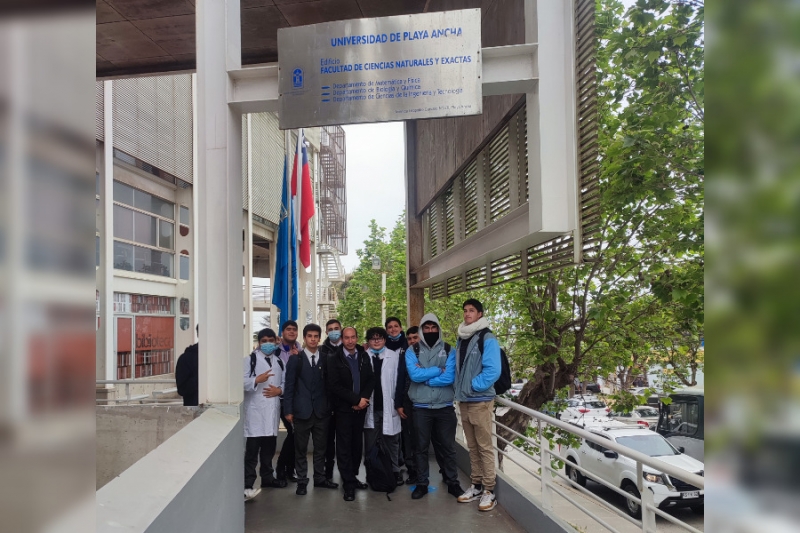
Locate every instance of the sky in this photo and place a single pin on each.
(375, 181)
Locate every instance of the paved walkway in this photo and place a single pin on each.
(324, 510)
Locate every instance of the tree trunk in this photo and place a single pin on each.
(547, 379)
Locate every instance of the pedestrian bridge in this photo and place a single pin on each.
(324, 510)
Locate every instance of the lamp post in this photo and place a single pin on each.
(376, 265)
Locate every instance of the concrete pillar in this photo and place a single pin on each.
(219, 194)
(106, 350)
(414, 234)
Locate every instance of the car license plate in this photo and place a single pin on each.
(692, 494)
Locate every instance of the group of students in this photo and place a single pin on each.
(397, 390)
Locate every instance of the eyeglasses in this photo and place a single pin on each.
(376, 339)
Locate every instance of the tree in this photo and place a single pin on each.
(360, 305)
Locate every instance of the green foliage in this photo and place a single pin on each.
(360, 304)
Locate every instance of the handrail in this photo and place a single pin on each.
(141, 398)
(546, 474)
(639, 457)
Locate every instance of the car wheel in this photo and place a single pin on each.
(698, 509)
(574, 475)
(633, 508)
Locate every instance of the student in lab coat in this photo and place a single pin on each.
(264, 382)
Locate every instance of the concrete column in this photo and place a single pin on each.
(105, 335)
(248, 264)
(219, 194)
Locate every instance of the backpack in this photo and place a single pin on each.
(503, 383)
(253, 364)
(378, 464)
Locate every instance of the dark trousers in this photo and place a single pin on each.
(437, 426)
(409, 444)
(286, 458)
(349, 446)
(316, 428)
(330, 449)
(256, 448)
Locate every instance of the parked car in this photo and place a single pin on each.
(590, 387)
(515, 389)
(621, 471)
(585, 407)
(643, 416)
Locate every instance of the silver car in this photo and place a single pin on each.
(644, 416)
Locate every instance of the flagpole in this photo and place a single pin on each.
(287, 314)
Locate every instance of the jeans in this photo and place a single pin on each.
(437, 426)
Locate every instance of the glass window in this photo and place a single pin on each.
(122, 193)
(683, 417)
(166, 231)
(144, 230)
(154, 262)
(184, 215)
(123, 256)
(184, 323)
(184, 267)
(123, 223)
(153, 204)
(652, 444)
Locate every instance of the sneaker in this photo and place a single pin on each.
(488, 501)
(419, 492)
(471, 494)
(249, 494)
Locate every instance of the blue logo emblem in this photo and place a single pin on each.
(297, 78)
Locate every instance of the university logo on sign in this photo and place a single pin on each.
(297, 78)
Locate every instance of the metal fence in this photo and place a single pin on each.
(155, 396)
(547, 475)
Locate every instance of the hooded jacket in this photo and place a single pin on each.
(431, 381)
(186, 375)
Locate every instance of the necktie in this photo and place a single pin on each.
(313, 360)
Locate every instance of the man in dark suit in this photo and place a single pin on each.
(350, 383)
(306, 407)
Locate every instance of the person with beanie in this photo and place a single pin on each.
(478, 366)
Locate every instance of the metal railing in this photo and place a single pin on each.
(547, 475)
(261, 293)
(152, 398)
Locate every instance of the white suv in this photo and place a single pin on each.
(620, 471)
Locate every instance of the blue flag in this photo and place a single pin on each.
(284, 283)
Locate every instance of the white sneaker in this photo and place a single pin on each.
(249, 494)
(472, 494)
(488, 501)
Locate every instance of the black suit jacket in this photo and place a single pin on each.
(305, 387)
(340, 380)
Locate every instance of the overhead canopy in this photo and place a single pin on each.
(145, 36)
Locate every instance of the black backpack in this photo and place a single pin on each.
(253, 364)
(503, 383)
(378, 464)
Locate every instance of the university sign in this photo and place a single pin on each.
(381, 69)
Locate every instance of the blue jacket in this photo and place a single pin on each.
(476, 377)
(432, 382)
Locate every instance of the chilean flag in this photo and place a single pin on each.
(303, 194)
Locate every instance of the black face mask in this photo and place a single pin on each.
(431, 338)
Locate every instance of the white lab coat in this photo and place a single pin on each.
(391, 420)
(261, 414)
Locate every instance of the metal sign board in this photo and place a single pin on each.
(381, 69)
